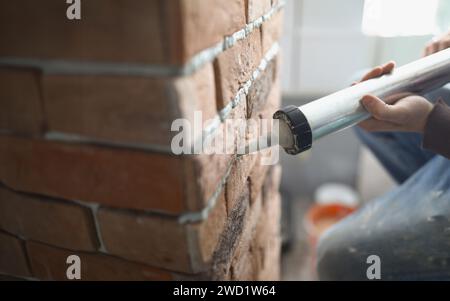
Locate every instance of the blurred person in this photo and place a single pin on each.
(408, 228)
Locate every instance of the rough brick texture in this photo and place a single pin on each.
(86, 157)
(48, 263)
(13, 259)
(121, 31)
(53, 222)
(21, 109)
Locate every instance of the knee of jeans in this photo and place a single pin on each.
(338, 259)
(329, 265)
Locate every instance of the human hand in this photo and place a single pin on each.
(402, 113)
(437, 44)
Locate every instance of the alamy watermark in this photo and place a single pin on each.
(374, 270)
(73, 271)
(231, 137)
(73, 11)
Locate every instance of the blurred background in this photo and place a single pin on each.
(327, 45)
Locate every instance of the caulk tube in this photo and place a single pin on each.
(343, 109)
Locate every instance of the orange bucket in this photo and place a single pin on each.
(318, 219)
(321, 217)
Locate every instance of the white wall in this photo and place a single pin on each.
(324, 47)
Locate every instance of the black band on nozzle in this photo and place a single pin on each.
(300, 128)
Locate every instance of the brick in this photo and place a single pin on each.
(257, 8)
(258, 254)
(196, 92)
(152, 32)
(155, 240)
(11, 278)
(268, 239)
(244, 265)
(256, 178)
(111, 108)
(259, 92)
(270, 270)
(206, 234)
(272, 30)
(238, 179)
(13, 259)
(20, 101)
(116, 177)
(137, 35)
(231, 238)
(127, 109)
(49, 263)
(111, 176)
(185, 17)
(50, 221)
(161, 241)
(234, 67)
(272, 183)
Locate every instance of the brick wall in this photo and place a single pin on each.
(85, 161)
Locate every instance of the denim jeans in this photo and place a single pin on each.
(408, 228)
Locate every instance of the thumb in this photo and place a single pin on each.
(379, 109)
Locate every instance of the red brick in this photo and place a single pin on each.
(49, 263)
(268, 239)
(234, 67)
(13, 260)
(128, 31)
(257, 177)
(259, 92)
(196, 92)
(54, 222)
(116, 177)
(161, 241)
(127, 109)
(206, 234)
(204, 174)
(244, 265)
(155, 240)
(155, 32)
(257, 8)
(238, 179)
(20, 101)
(272, 183)
(184, 18)
(113, 108)
(111, 176)
(271, 31)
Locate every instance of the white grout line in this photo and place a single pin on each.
(94, 210)
(74, 138)
(73, 67)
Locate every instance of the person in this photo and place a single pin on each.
(408, 229)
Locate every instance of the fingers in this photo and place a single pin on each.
(391, 99)
(380, 110)
(388, 67)
(374, 125)
(376, 72)
(437, 45)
